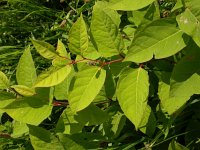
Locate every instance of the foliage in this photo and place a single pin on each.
(120, 75)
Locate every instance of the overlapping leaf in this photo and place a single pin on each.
(148, 43)
(132, 93)
(104, 28)
(4, 82)
(85, 86)
(52, 76)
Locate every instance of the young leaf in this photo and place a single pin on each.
(128, 5)
(132, 93)
(85, 86)
(53, 76)
(45, 49)
(4, 82)
(105, 30)
(23, 90)
(78, 37)
(148, 43)
(61, 49)
(26, 72)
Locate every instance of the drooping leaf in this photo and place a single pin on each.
(78, 37)
(26, 72)
(189, 20)
(4, 82)
(85, 86)
(44, 49)
(132, 93)
(128, 5)
(104, 29)
(148, 43)
(23, 90)
(53, 76)
(31, 110)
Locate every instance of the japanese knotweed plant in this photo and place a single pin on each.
(110, 73)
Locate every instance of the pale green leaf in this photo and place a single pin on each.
(31, 110)
(19, 129)
(23, 90)
(132, 93)
(85, 86)
(128, 5)
(53, 76)
(45, 49)
(148, 43)
(4, 82)
(61, 49)
(189, 22)
(26, 72)
(78, 37)
(105, 30)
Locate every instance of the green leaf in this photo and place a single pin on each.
(85, 86)
(26, 73)
(128, 5)
(148, 43)
(31, 110)
(53, 76)
(92, 115)
(61, 49)
(189, 20)
(61, 90)
(176, 146)
(132, 93)
(6, 99)
(78, 37)
(42, 139)
(19, 129)
(148, 123)
(23, 90)
(44, 49)
(104, 29)
(185, 78)
(4, 82)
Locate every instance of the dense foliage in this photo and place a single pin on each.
(99, 74)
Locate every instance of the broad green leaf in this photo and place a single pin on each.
(78, 37)
(128, 5)
(31, 110)
(53, 76)
(148, 43)
(185, 78)
(91, 52)
(19, 129)
(4, 82)
(92, 115)
(85, 86)
(179, 4)
(61, 90)
(189, 20)
(23, 90)
(43, 139)
(26, 72)
(104, 29)
(45, 49)
(176, 146)
(164, 95)
(148, 123)
(132, 93)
